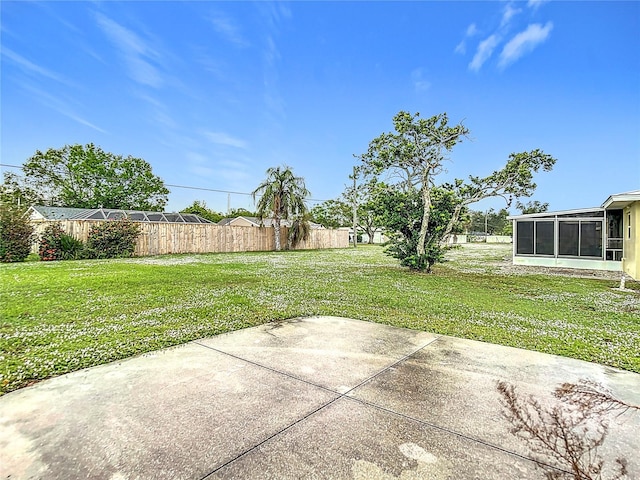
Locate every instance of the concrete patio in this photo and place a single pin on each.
(313, 398)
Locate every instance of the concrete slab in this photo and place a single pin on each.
(318, 397)
(336, 353)
(350, 440)
(452, 384)
(174, 414)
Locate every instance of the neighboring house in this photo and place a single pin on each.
(600, 238)
(256, 222)
(43, 214)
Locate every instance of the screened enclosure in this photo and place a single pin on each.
(594, 234)
(64, 213)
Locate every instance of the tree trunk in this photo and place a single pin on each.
(452, 222)
(426, 200)
(276, 232)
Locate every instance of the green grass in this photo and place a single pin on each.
(56, 317)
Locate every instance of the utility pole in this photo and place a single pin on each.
(355, 209)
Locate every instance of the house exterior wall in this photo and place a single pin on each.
(241, 222)
(631, 241)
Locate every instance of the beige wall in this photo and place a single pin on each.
(631, 242)
(163, 238)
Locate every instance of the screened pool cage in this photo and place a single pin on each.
(587, 238)
(62, 213)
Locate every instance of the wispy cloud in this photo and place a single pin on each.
(535, 4)
(508, 13)
(484, 52)
(59, 105)
(420, 84)
(524, 42)
(34, 69)
(227, 28)
(472, 30)
(224, 139)
(137, 53)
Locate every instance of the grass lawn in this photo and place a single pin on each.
(56, 317)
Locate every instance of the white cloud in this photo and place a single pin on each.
(524, 42)
(484, 52)
(472, 30)
(221, 138)
(535, 4)
(136, 52)
(508, 13)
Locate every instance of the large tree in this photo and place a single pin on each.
(413, 156)
(281, 196)
(15, 191)
(85, 176)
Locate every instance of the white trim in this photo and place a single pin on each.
(563, 262)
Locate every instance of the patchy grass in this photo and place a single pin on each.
(56, 317)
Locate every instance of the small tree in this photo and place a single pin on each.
(240, 212)
(282, 195)
(16, 233)
(200, 208)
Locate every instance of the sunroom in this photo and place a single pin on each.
(602, 238)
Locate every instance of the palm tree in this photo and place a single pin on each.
(281, 195)
(299, 231)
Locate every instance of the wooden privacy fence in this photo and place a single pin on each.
(163, 238)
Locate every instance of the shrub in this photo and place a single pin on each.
(16, 234)
(55, 244)
(112, 239)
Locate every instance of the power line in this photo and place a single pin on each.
(183, 186)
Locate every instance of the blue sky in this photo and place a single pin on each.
(211, 94)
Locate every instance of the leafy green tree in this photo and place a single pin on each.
(490, 222)
(15, 191)
(515, 179)
(282, 196)
(415, 153)
(332, 214)
(200, 208)
(88, 177)
(400, 212)
(413, 156)
(532, 207)
(240, 212)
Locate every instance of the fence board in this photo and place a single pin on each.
(164, 238)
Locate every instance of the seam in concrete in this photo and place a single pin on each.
(363, 402)
(304, 417)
